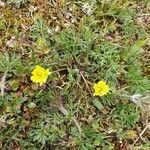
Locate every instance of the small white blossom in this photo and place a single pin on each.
(87, 8)
(11, 43)
(2, 4)
(32, 8)
(135, 98)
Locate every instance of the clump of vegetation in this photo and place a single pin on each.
(17, 3)
(73, 75)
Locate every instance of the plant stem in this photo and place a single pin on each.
(2, 86)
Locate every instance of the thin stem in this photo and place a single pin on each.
(87, 86)
(65, 112)
(147, 126)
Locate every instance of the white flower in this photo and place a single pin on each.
(32, 8)
(87, 8)
(2, 4)
(11, 43)
(135, 98)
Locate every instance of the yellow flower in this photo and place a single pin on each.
(100, 88)
(40, 75)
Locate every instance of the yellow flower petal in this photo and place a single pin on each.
(100, 88)
(40, 75)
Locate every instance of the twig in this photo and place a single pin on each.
(87, 86)
(59, 70)
(2, 86)
(65, 112)
(140, 15)
(147, 126)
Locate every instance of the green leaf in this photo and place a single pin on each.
(14, 85)
(31, 105)
(97, 142)
(98, 104)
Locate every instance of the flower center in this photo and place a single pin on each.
(40, 74)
